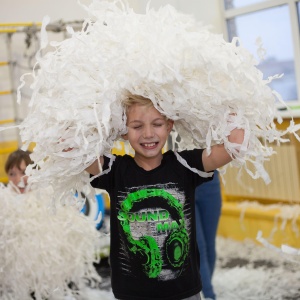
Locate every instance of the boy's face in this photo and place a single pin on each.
(16, 175)
(148, 131)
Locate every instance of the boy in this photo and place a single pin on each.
(15, 167)
(154, 253)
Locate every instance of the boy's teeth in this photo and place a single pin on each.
(149, 145)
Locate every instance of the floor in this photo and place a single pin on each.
(244, 271)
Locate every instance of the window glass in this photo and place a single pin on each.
(298, 6)
(273, 27)
(240, 3)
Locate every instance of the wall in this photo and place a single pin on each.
(208, 12)
(35, 10)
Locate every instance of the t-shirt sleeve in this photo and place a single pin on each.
(192, 159)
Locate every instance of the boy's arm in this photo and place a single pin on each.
(219, 156)
(94, 169)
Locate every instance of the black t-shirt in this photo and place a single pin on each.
(153, 252)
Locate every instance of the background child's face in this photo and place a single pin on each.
(148, 130)
(16, 176)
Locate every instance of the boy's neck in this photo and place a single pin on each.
(148, 164)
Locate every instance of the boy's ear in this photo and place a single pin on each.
(170, 125)
(125, 137)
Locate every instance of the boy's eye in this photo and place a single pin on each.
(158, 124)
(137, 127)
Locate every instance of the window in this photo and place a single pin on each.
(240, 3)
(298, 6)
(276, 23)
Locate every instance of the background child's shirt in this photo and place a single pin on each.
(153, 247)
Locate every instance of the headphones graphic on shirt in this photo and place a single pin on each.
(146, 248)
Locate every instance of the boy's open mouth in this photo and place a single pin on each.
(149, 145)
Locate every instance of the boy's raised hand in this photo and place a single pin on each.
(219, 156)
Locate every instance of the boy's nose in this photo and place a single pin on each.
(21, 181)
(148, 132)
(18, 178)
(25, 179)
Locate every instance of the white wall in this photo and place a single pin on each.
(17, 11)
(35, 10)
(208, 12)
(68, 10)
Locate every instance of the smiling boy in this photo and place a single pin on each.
(153, 244)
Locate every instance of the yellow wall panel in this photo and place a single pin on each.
(236, 225)
(283, 169)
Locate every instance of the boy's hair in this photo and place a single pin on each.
(16, 158)
(136, 99)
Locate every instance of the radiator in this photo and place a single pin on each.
(283, 169)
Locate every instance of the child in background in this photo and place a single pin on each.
(15, 167)
(208, 202)
(38, 261)
(154, 253)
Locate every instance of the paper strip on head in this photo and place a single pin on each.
(192, 76)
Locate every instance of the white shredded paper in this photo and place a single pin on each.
(193, 76)
(43, 250)
(286, 251)
(283, 213)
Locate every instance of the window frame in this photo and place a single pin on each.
(295, 30)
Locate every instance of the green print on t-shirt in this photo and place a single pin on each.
(177, 242)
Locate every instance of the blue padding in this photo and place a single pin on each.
(93, 209)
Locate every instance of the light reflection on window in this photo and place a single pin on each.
(240, 3)
(298, 6)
